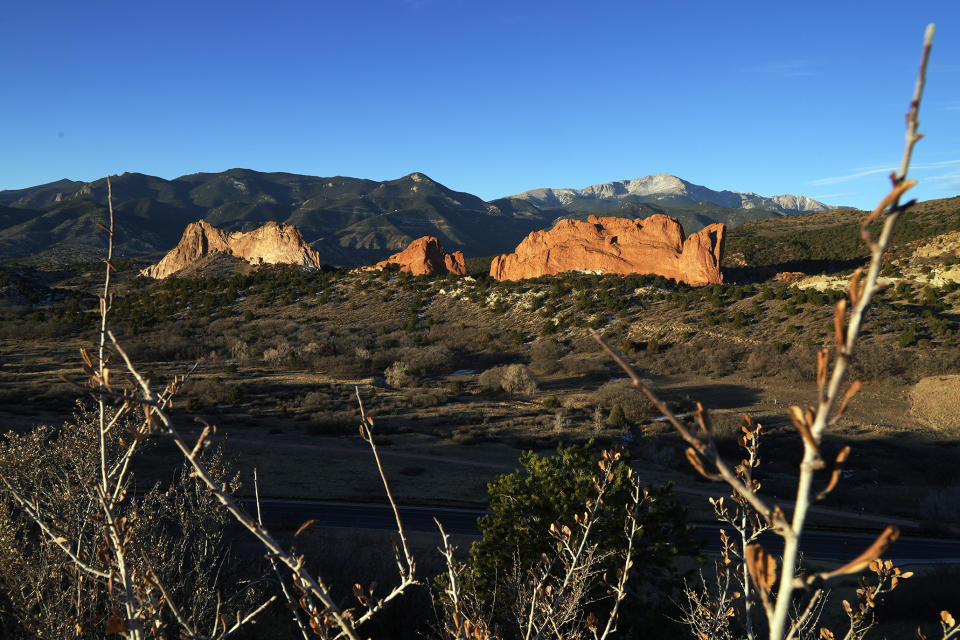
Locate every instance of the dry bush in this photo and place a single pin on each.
(209, 392)
(432, 360)
(423, 398)
(397, 376)
(545, 355)
(180, 531)
(332, 423)
(456, 337)
(240, 352)
(703, 355)
(165, 346)
(316, 400)
(468, 435)
(621, 393)
(281, 355)
(344, 366)
(763, 360)
(573, 365)
(878, 363)
(511, 378)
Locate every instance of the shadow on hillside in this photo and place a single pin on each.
(717, 396)
(747, 275)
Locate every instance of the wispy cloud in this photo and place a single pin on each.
(933, 165)
(951, 181)
(786, 68)
(861, 173)
(850, 176)
(953, 107)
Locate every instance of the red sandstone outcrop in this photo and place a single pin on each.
(425, 255)
(273, 243)
(655, 245)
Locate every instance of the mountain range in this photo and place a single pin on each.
(665, 190)
(348, 221)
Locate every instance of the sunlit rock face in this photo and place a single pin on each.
(426, 256)
(273, 243)
(655, 245)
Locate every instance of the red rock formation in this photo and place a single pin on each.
(655, 245)
(273, 243)
(425, 255)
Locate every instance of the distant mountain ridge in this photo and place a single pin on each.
(347, 221)
(664, 187)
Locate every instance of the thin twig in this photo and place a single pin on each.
(276, 570)
(707, 450)
(811, 457)
(60, 541)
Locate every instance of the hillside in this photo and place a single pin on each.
(348, 221)
(830, 240)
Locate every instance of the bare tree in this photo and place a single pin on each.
(777, 587)
(84, 556)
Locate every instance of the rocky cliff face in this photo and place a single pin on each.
(426, 256)
(655, 245)
(664, 187)
(273, 243)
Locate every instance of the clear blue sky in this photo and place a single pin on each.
(486, 96)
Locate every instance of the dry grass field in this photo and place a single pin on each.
(280, 354)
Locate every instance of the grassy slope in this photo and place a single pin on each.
(831, 236)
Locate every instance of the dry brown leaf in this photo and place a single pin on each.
(116, 625)
(694, 458)
(761, 566)
(894, 194)
(592, 622)
(303, 527)
(851, 391)
(837, 471)
(703, 419)
(869, 556)
(947, 619)
(800, 422)
(823, 358)
(839, 319)
(855, 287)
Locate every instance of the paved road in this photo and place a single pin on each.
(816, 545)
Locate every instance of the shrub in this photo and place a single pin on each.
(396, 375)
(172, 526)
(431, 360)
(585, 367)
(621, 393)
(545, 355)
(423, 399)
(511, 378)
(550, 402)
(616, 418)
(334, 423)
(554, 489)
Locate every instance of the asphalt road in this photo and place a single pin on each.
(815, 545)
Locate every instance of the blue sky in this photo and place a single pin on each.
(487, 97)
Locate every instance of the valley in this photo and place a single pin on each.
(464, 373)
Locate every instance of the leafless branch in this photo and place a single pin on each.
(811, 424)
